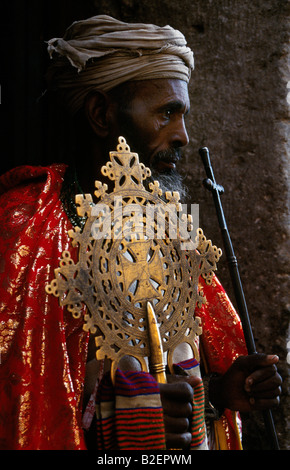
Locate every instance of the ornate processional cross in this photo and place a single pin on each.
(137, 270)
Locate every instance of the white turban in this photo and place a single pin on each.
(102, 52)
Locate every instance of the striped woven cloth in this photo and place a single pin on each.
(130, 415)
(198, 427)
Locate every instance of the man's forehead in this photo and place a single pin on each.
(162, 91)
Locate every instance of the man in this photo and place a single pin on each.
(113, 79)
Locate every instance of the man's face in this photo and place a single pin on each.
(154, 126)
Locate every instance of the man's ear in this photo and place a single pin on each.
(97, 112)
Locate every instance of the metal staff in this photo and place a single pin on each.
(216, 191)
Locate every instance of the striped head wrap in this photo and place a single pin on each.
(102, 53)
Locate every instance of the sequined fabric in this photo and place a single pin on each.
(222, 334)
(222, 341)
(43, 349)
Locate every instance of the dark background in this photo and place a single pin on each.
(239, 111)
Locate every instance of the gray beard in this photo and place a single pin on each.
(172, 181)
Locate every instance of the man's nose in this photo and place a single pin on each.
(179, 137)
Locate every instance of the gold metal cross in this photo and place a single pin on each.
(128, 278)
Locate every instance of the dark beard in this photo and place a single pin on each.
(171, 181)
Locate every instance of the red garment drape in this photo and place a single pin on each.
(222, 341)
(43, 349)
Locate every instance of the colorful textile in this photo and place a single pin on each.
(222, 341)
(130, 416)
(198, 429)
(222, 338)
(43, 348)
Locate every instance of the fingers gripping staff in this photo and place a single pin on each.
(133, 263)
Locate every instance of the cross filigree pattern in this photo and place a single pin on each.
(121, 265)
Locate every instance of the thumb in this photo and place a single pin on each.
(192, 380)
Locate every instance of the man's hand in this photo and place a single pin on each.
(176, 398)
(251, 383)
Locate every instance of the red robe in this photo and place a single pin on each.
(42, 347)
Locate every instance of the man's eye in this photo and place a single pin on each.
(167, 113)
